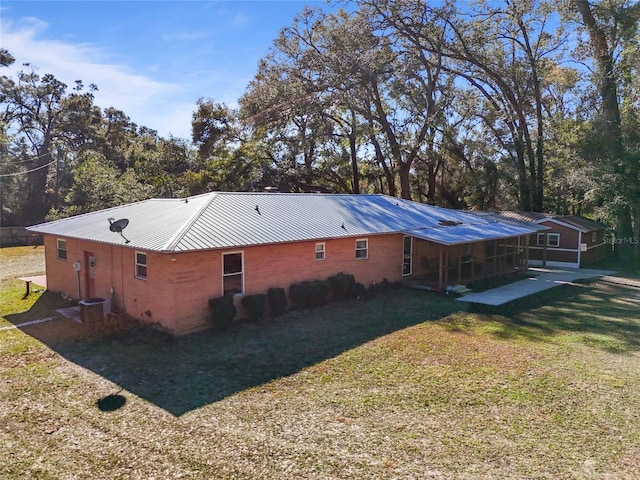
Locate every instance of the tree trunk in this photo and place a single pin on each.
(405, 185)
(431, 184)
(388, 173)
(354, 154)
(614, 148)
(524, 202)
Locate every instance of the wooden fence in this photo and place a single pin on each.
(14, 236)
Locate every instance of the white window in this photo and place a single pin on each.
(232, 273)
(62, 249)
(407, 256)
(553, 239)
(594, 237)
(362, 249)
(320, 251)
(141, 265)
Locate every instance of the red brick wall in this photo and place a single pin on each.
(114, 276)
(61, 276)
(282, 265)
(178, 286)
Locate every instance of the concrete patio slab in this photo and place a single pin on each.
(40, 280)
(545, 279)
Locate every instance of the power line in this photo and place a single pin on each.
(28, 159)
(28, 171)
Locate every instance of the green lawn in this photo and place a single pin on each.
(406, 385)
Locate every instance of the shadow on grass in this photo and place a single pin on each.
(180, 374)
(44, 306)
(606, 316)
(185, 373)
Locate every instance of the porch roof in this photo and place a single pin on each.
(459, 234)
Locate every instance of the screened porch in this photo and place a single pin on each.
(436, 266)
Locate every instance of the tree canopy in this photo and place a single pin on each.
(531, 105)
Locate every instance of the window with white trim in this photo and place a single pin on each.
(61, 246)
(407, 256)
(362, 249)
(320, 251)
(553, 239)
(141, 265)
(232, 273)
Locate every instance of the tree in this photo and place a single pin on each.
(228, 158)
(612, 30)
(500, 51)
(38, 113)
(332, 79)
(97, 185)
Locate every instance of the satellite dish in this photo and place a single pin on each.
(117, 226)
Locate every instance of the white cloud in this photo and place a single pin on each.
(145, 100)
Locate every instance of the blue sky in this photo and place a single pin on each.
(151, 59)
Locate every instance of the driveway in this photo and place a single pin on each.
(545, 279)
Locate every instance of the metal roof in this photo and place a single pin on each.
(510, 220)
(585, 224)
(227, 220)
(572, 221)
(457, 234)
(524, 216)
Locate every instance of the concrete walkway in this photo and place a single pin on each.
(40, 280)
(545, 278)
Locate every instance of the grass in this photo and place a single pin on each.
(406, 385)
(21, 261)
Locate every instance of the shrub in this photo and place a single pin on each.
(277, 300)
(360, 291)
(223, 311)
(309, 294)
(342, 286)
(255, 305)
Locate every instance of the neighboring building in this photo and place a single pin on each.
(570, 241)
(161, 260)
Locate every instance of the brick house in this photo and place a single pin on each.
(570, 241)
(161, 260)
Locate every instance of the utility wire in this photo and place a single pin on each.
(27, 160)
(27, 171)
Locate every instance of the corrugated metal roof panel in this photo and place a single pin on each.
(228, 220)
(152, 223)
(586, 224)
(524, 216)
(458, 234)
(580, 223)
(498, 217)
